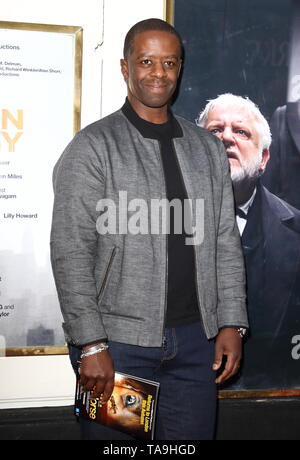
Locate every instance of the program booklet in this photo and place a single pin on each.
(131, 407)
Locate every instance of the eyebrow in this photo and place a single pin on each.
(174, 56)
(222, 122)
(215, 122)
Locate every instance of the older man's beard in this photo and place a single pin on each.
(246, 173)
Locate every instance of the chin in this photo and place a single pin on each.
(237, 174)
(157, 100)
(242, 179)
(157, 103)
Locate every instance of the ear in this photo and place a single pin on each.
(264, 160)
(179, 67)
(124, 68)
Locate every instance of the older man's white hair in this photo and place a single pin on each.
(228, 99)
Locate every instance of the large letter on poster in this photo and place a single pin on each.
(40, 77)
(243, 56)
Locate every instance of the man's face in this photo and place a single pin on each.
(238, 130)
(151, 70)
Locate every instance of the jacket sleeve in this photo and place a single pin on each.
(78, 181)
(230, 260)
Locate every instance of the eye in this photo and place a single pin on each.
(241, 133)
(146, 62)
(170, 63)
(215, 130)
(130, 400)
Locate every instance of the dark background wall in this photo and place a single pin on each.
(236, 46)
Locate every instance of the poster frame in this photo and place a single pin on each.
(77, 33)
(169, 11)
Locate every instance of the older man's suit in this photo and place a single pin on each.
(282, 176)
(271, 245)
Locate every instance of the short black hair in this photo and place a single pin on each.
(144, 26)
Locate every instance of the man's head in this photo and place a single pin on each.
(147, 25)
(244, 131)
(151, 65)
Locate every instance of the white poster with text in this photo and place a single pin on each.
(36, 123)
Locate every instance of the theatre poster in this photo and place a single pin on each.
(252, 49)
(40, 78)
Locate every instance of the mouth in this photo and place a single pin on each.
(157, 87)
(232, 155)
(156, 84)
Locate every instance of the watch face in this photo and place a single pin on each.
(241, 331)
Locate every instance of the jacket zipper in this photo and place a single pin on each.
(104, 282)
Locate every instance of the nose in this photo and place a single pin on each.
(158, 70)
(227, 136)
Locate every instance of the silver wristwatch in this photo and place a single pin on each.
(242, 331)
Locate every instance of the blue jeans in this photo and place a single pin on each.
(187, 395)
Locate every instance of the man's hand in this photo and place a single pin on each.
(97, 375)
(228, 343)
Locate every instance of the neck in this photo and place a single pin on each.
(156, 115)
(243, 192)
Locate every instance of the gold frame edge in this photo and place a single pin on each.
(169, 9)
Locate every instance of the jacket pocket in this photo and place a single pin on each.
(122, 317)
(106, 275)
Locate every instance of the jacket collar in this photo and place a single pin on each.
(145, 127)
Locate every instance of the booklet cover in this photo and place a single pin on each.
(131, 407)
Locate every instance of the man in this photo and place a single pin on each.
(156, 301)
(271, 242)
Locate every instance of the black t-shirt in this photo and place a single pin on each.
(182, 303)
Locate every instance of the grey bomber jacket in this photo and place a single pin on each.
(114, 285)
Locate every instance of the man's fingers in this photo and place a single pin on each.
(103, 389)
(108, 389)
(224, 376)
(217, 361)
(98, 390)
(231, 368)
(87, 383)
